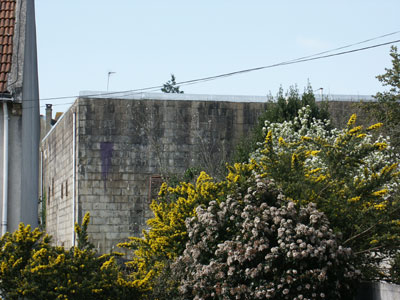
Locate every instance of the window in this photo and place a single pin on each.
(52, 187)
(154, 186)
(62, 190)
(66, 188)
(48, 196)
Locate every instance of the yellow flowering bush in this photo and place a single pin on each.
(167, 236)
(351, 174)
(161, 267)
(31, 268)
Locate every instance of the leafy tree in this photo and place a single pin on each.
(171, 87)
(386, 109)
(285, 108)
(31, 268)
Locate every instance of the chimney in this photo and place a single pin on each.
(49, 113)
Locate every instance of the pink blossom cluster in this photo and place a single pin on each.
(257, 245)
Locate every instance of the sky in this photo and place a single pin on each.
(143, 42)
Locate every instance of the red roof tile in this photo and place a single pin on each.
(7, 21)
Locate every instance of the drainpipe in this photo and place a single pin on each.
(5, 170)
(41, 188)
(73, 177)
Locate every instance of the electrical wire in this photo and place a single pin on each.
(317, 56)
(283, 64)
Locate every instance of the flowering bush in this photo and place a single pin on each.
(236, 215)
(254, 246)
(348, 174)
(167, 236)
(30, 268)
(351, 174)
(282, 107)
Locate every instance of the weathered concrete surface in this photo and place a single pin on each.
(378, 291)
(57, 153)
(121, 146)
(124, 145)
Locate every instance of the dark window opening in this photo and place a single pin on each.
(66, 188)
(155, 183)
(52, 187)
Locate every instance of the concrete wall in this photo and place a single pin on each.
(125, 145)
(121, 145)
(378, 291)
(341, 111)
(57, 190)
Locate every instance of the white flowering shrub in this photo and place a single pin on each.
(257, 245)
(351, 174)
(353, 141)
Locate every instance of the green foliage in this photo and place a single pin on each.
(386, 109)
(171, 87)
(167, 236)
(285, 108)
(31, 268)
(349, 174)
(189, 175)
(42, 213)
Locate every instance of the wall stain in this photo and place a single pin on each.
(106, 151)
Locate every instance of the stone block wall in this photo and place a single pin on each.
(378, 291)
(341, 111)
(123, 144)
(57, 173)
(123, 147)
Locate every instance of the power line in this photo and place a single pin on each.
(283, 64)
(351, 45)
(312, 57)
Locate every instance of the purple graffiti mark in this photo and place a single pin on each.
(106, 151)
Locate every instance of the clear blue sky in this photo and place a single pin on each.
(80, 41)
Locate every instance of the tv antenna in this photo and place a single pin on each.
(108, 78)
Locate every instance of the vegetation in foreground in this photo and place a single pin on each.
(311, 213)
(31, 268)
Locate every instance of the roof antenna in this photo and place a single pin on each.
(108, 78)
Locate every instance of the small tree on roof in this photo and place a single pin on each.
(171, 87)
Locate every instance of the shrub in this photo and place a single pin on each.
(254, 246)
(284, 107)
(167, 236)
(350, 174)
(31, 268)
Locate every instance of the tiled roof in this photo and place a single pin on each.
(7, 22)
